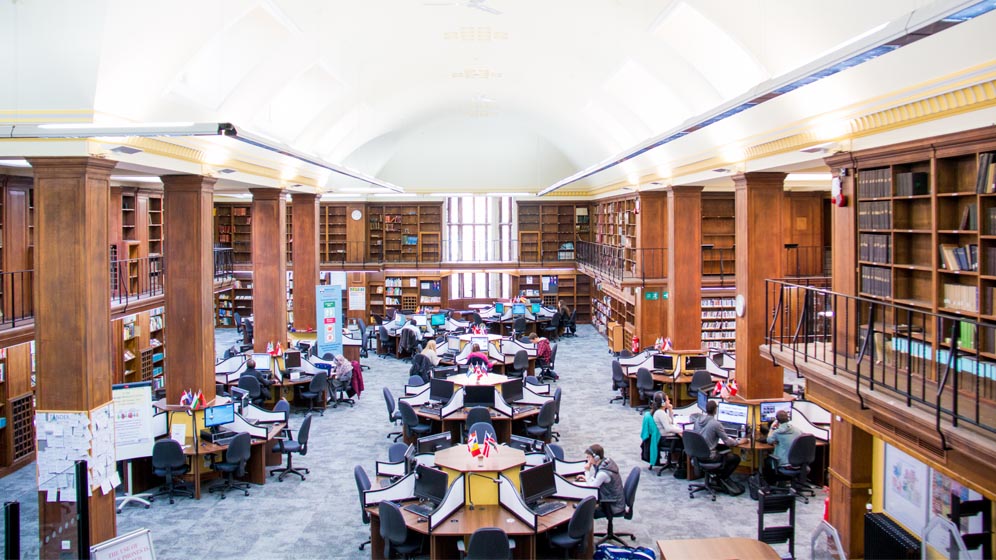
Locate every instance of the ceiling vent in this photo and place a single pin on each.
(126, 150)
(226, 170)
(924, 446)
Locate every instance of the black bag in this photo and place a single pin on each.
(733, 487)
(680, 471)
(755, 484)
(645, 450)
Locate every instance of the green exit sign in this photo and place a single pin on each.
(652, 296)
(666, 294)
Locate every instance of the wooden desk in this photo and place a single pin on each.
(724, 548)
(662, 378)
(260, 452)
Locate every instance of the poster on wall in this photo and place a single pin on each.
(906, 489)
(328, 307)
(942, 489)
(357, 298)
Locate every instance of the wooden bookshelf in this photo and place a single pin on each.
(719, 320)
(718, 230)
(233, 229)
(614, 225)
(17, 442)
(550, 231)
(610, 306)
(332, 245)
(289, 235)
(224, 308)
(395, 232)
(131, 354)
(155, 226)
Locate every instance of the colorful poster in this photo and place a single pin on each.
(906, 489)
(328, 306)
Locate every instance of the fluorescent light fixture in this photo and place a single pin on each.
(14, 163)
(331, 195)
(104, 130)
(451, 194)
(399, 194)
(120, 126)
(809, 177)
(136, 178)
(360, 190)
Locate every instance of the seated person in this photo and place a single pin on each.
(521, 297)
(475, 352)
(603, 473)
(781, 434)
(713, 433)
(430, 352)
(565, 312)
(543, 351)
(262, 376)
(663, 413)
(411, 326)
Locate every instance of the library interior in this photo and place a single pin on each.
(678, 278)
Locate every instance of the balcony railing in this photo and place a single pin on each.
(623, 263)
(943, 362)
(16, 296)
(798, 261)
(344, 254)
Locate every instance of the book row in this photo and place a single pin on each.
(876, 281)
(875, 215)
(875, 247)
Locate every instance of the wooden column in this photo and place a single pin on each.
(269, 278)
(850, 480)
(759, 249)
(72, 314)
(305, 257)
(189, 297)
(684, 265)
(845, 256)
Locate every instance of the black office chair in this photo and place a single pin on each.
(557, 451)
(169, 462)
(416, 381)
(625, 354)
(645, 385)
(556, 415)
(546, 368)
(576, 533)
(408, 344)
(534, 381)
(362, 485)
(340, 385)
(393, 416)
(476, 319)
(544, 422)
(396, 453)
(553, 327)
(410, 420)
(255, 389)
(421, 366)
(482, 429)
(364, 341)
(518, 326)
(397, 538)
(701, 381)
(238, 322)
(289, 447)
(477, 415)
(234, 465)
(800, 456)
(487, 543)
(386, 342)
(247, 331)
(570, 324)
(629, 494)
(697, 448)
(316, 389)
(619, 383)
(520, 364)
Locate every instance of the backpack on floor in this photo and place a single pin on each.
(614, 552)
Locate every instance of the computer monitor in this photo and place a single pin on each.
(535, 308)
(702, 399)
(240, 397)
(420, 320)
(409, 459)
(440, 390)
(440, 373)
(160, 424)
(430, 484)
(478, 395)
(664, 362)
(500, 308)
(528, 445)
(511, 390)
(399, 319)
(219, 415)
(480, 341)
(437, 320)
(730, 413)
(292, 359)
(434, 443)
(262, 360)
(693, 363)
(769, 409)
(538, 482)
(518, 309)
(453, 343)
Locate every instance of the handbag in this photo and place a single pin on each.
(614, 552)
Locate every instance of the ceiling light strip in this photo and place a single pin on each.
(833, 67)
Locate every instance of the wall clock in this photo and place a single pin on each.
(357, 215)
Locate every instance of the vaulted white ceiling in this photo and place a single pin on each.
(433, 94)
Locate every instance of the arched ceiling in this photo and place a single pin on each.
(428, 94)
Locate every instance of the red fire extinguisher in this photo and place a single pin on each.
(635, 346)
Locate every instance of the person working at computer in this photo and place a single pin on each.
(565, 312)
(543, 351)
(603, 473)
(663, 414)
(781, 434)
(712, 431)
(262, 376)
(412, 326)
(475, 352)
(430, 352)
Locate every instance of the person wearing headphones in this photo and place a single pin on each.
(603, 473)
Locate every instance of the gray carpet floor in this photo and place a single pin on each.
(320, 517)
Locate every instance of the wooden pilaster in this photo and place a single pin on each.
(759, 248)
(189, 298)
(684, 265)
(850, 481)
(304, 222)
(269, 277)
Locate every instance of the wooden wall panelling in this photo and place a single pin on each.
(17, 253)
(356, 233)
(684, 265)
(305, 226)
(850, 479)
(16, 439)
(803, 225)
(651, 316)
(652, 235)
(269, 270)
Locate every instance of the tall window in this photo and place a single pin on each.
(480, 285)
(479, 228)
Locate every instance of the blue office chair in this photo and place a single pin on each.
(576, 534)
(394, 531)
(483, 430)
(317, 387)
(487, 543)
(234, 465)
(362, 485)
(291, 446)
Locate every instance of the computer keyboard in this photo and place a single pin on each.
(419, 509)
(224, 441)
(430, 409)
(523, 408)
(545, 508)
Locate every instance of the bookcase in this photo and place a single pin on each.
(233, 229)
(550, 231)
(154, 356)
(615, 226)
(332, 233)
(610, 306)
(155, 226)
(289, 236)
(718, 230)
(131, 354)
(406, 292)
(17, 441)
(405, 233)
(242, 294)
(719, 320)
(224, 308)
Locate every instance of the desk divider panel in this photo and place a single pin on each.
(510, 498)
(307, 366)
(812, 411)
(230, 370)
(535, 459)
(416, 395)
(253, 412)
(510, 347)
(717, 371)
(800, 421)
(534, 394)
(401, 490)
(568, 468)
(455, 403)
(500, 405)
(386, 468)
(452, 324)
(569, 490)
(426, 459)
(240, 425)
(453, 501)
(638, 360)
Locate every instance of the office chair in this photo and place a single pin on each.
(487, 543)
(619, 383)
(520, 364)
(386, 342)
(396, 453)
(362, 485)
(416, 381)
(377, 319)
(550, 331)
(340, 385)
(557, 451)
(411, 422)
(546, 369)
(629, 495)
(800, 456)
(476, 415)
(776, 503)
(576, 533)
(234, 465)
(283, 406)
(247, 331)
(393, 416)
(645, 385)
(477, 361)
(518, 326)
(169, 462)
(397, 538)
(289, 447)
(544, 422)
(556, 415)
(570, 324)
(252, 385)
(316, 388)
(421, 366)
(482, 429)
(701, 381)
(364, 341)
(238, 322)
(697, 448)
(476, 318)
(408, 344)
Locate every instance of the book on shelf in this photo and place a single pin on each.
(968, 218)
(961, 297)
(985, 180)
(912, 184)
